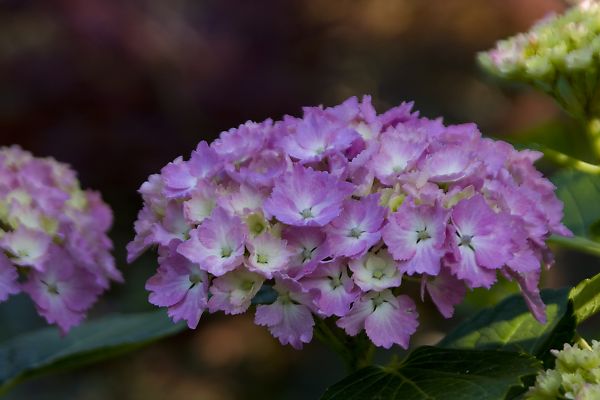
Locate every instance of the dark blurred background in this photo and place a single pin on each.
(119, 88)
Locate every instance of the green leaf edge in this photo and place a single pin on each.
(512, 391)
(586, 298)
(64, 360)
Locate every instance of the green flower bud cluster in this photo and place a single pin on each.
(559, 55)
(576, 375)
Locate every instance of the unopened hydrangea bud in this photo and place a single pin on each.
(576, 375)
(333, 209)
(53, 243)
(559, 55)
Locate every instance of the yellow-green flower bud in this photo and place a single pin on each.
(576, 375)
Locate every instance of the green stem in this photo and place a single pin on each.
(583, 344)
(567, 161)
(355, 352)
(576, 243)
(593, 133)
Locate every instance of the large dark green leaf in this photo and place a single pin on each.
(586, 298)
(510, 326)
(580, 194)
(439, 374)
(45, 350)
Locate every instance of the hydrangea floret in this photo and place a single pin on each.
(53, 242)
(336, 212)
(576, 374)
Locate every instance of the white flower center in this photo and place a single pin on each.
(423, 235)
(307, 213)
(226, 251)
(355, 233)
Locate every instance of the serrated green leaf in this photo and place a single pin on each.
(586, 298)
(580, 194)
(510, 326)
(439, 374)
(45, 350)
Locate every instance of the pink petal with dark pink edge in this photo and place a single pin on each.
(393, 321)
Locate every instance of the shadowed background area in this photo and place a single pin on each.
(118, 89)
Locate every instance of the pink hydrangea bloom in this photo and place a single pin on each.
(334, 207)
(315, 136)
(55, 233)
(233, 292)
(179, 285)
(309, 248)
(289, 318)
(291, 202)
(335, 290)
(416, 235)
(217, 244)
(268, 255)
(480, 240)
(357, 228)
(445, 290)
(388, 320)
(62, 292)
(375, 271)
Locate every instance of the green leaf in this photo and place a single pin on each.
(580, 194)
(510, 326)
(439, 374)
(45, 350)
(586, 298)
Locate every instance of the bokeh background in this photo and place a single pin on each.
(119, 88)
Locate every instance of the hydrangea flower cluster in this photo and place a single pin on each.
(335, 211)
(53, 243)
(576, 375)
(560, 55)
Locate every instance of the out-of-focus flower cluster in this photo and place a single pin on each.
(53, 243)
(560, 55)
(576, 375)
(335, 211)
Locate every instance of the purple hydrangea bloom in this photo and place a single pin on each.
(315, 136)
(181, 177)
(27, 247)
(445, 290)
(55, 233)
(62, 292)
(217, 244)
(481, 242)
(332, 209)
(398, 155)
(335, 290)
(416, 236)
(179, 285)
(289, 318)
(291, 202)
(268, 255)
(375, 271)
(233, 292)
(388, 320)
(309, 248)
(357, 228)
(173, 225)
